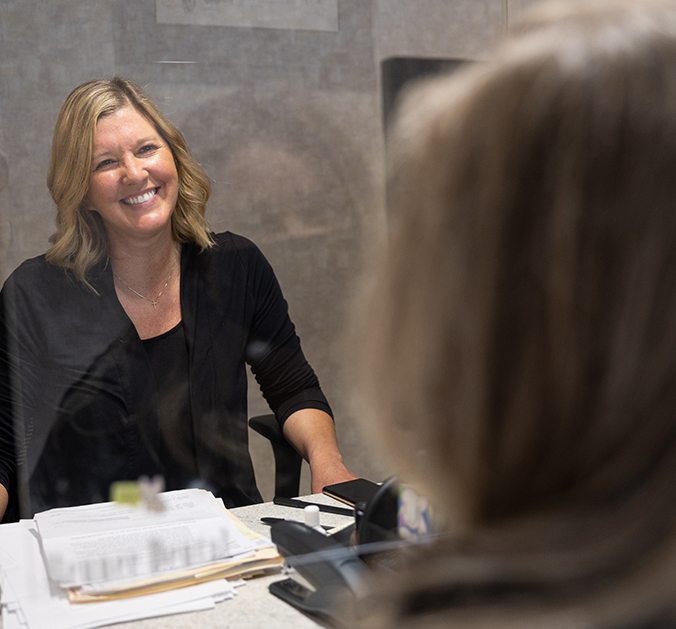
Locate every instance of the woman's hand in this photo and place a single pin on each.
(313, 434)
(328, 472)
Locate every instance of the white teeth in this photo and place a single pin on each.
(141, 198)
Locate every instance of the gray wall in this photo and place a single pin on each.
(281, 105)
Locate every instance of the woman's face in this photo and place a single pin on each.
(133, 184)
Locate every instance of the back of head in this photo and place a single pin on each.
(524, 346)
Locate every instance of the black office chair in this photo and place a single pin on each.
(287, 461)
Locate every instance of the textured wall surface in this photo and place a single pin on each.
(436, 28)
(517, 6)
(285, 116)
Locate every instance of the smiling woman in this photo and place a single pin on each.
(133, 185)
(124, 348)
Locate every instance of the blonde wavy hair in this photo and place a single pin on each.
(80, 240)
(516, 349)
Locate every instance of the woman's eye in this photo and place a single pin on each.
(147, 148)
(104, 163)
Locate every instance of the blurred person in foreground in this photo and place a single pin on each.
(124, 347)
(522, 370)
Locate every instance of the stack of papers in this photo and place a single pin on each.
(125, 562)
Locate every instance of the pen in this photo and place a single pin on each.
(301, 504)
(271, 521)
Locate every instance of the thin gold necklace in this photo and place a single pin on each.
(148, 299)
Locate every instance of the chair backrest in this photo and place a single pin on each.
(287, 461)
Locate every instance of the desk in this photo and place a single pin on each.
(253, 607)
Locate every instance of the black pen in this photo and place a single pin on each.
(271, 521)
(301, 504)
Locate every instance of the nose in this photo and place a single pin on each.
(134, 170)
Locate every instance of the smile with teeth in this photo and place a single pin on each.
(141, 198)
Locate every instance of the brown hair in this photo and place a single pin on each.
(525, 342)
(79, 241)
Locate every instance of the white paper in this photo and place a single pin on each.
(109, 541)
(30, 595)
(58, 613)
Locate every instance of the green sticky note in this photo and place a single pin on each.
(125, 492)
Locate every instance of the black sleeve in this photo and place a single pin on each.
(19, 384)
(7, 446)
(286, 379)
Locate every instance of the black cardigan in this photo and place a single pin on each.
(76, 386)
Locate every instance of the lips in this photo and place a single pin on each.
(141, 198)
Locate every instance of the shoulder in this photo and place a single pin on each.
(234, 249)
(231, 242)
(33, 267)
(38, 273)
(36, 281)
(233, 264)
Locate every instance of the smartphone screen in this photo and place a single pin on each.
(352, 492)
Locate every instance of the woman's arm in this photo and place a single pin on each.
(313, 434)
(287, 381)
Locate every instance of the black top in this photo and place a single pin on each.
(171, 438)
(77, 391)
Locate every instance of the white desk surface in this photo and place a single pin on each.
(253, 606)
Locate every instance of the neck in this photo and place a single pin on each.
(147, 265)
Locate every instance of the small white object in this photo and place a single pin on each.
(311, 513)
(311, 516)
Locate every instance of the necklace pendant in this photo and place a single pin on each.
(154, 302)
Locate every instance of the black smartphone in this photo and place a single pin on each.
(352, 492)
